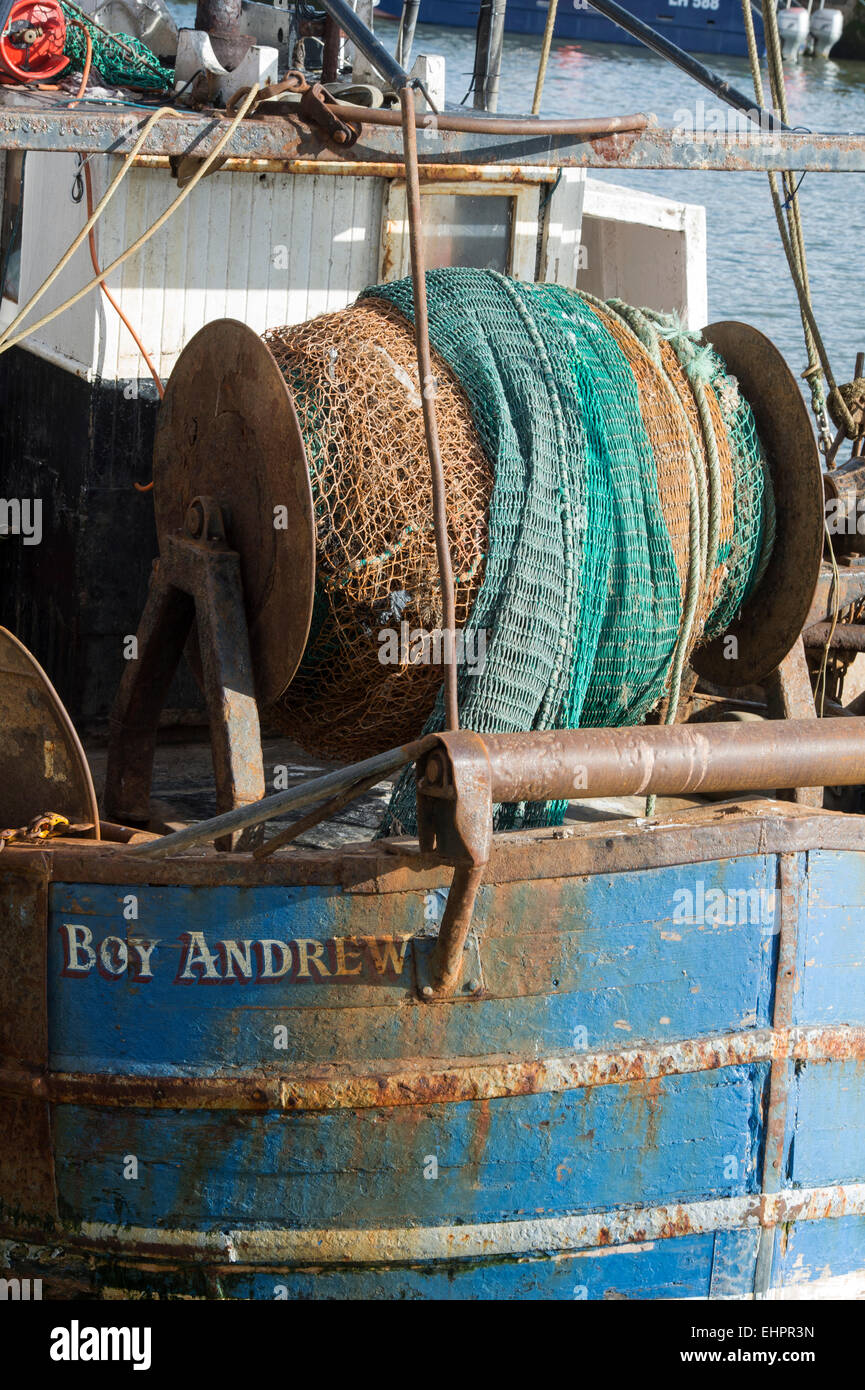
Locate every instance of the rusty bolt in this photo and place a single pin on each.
(194, 522)
(433, 769)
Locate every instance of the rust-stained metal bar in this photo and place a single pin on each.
(348, 168)
(41, 125)
(323, 812)
(789, 872)
(428, 394)
(294, 798)
(669, 760)
(842, 637)
(330, 55)
(333, 1087)
(455, 818)
(590, 1230)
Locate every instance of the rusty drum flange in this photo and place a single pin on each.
(44, 767)
(777, 610)
(228, 430)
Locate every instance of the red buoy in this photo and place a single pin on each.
(31, 43)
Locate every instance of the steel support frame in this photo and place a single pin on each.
(195, 582)
(27, 123)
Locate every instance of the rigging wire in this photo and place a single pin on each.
(545, 56)
(792, 238)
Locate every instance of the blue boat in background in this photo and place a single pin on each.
(698, 26)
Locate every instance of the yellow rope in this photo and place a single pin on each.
(545, 55)
(90, 223)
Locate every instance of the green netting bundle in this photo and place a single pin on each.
(630, 515)
(120, 59)
(607, 509)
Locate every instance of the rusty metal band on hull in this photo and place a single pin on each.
(270, 1247)
(669, 760)
(335, 1088)
(42, 128)
(435, 173)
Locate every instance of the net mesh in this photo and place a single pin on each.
(567, 448)
(354, 378)
(120, 59)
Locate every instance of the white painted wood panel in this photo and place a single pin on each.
(266, 249)
(50, 219)
(645, 249)
(272, 249)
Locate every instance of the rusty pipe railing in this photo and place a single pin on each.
(587, 127)
(465, 774)
(670, 761)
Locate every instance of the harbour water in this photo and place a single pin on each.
(748, 277)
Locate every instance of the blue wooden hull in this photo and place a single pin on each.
(650, 1096)
(698, 26)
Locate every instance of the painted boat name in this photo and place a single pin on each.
(233, 960)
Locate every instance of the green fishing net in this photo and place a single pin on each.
(581, 599)
(119, 59)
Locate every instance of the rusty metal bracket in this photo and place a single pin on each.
(470, 982)
(789, 696)
(317, 106)
(455, 820)
(196, 580)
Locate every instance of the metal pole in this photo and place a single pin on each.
(669, 760)
(294, 799)
(545, 55)
(407, 26)
(428, 394)
(330, 53)
(497, 39)
(488, 54)
(680, 59)
(364, 39)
